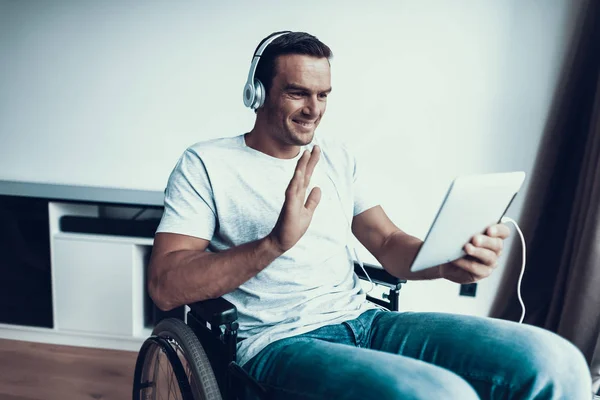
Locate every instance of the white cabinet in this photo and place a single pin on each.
(98, 281)
(93, 285)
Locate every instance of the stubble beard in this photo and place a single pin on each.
(286, 133)
(300, 139)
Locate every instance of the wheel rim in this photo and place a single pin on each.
(186, 367)
(165, 373)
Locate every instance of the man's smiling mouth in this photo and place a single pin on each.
(305, 124)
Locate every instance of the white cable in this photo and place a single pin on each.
(524, 255)
(363, 268)
(349, 232)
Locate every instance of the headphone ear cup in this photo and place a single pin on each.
(259, 98)
(249, 95)
(254, 91)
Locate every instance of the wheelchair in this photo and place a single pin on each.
(197, 360)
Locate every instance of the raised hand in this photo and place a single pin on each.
(295, 215)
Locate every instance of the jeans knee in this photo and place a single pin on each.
(441, 384)
(452, 386)
(555, 367)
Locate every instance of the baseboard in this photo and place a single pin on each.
(52, 336)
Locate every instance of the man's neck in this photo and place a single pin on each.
(262, 142)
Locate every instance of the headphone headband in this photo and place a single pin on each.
(254, 95)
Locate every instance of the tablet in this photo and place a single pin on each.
(472, 203)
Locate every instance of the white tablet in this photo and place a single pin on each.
(472, 203)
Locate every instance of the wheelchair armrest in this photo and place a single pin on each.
(220, 311)
(217, 311)
(378, 275)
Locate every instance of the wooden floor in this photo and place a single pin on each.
(47, 372)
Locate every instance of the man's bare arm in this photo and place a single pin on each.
(182, 272)
(392, 247)
(396, 250)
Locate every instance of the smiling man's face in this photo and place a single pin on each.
(297, 99)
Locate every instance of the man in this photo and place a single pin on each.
(282, 258)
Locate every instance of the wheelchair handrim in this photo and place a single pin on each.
(149, 356)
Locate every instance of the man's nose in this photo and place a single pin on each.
(311, 107)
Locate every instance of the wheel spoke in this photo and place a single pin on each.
(172, 383)
(163, 375)
(169, 381)
(148, 374)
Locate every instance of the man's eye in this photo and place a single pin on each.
(323, 95)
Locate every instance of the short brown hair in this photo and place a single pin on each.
(290, 43)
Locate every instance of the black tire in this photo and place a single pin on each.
(182, 339)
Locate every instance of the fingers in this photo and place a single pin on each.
(310, 166)
(482, 255)
(304, 169)
(313, 199)
(298, 178)
(498, 230)
(303, 161)
(494, 244)
(294, 186)
(476, 269)
(297, 182)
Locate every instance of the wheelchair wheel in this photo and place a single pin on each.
(173, 365)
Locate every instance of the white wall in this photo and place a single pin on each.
(109, 93)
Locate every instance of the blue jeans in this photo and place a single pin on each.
(405, 355)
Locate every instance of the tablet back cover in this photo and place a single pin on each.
(472, 204)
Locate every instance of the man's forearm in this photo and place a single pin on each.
(197, 275)
(398, 253)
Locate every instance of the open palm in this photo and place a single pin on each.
(296, 214)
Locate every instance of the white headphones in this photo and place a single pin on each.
(254, 90)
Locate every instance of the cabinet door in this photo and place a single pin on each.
(25, 275)
(93, 286)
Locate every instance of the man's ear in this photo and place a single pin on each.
(265, 105)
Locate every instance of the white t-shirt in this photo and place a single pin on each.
(223, 191)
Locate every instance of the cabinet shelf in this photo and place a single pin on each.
(142, 241)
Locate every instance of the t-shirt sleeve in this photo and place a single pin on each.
(363, 197)
(189, 201)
